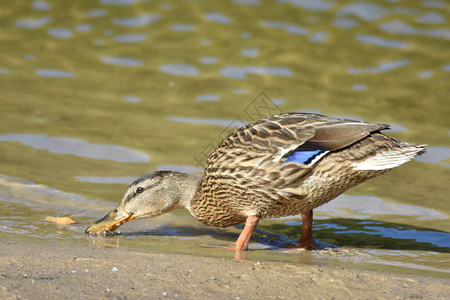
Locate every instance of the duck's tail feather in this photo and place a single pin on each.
(391, 158)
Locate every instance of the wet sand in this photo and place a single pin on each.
(37, 270)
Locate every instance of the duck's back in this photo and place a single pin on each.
(291, 163)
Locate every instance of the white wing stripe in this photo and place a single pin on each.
(385, 160)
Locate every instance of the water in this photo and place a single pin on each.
(97, 93)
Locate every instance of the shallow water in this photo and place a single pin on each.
(96, 93)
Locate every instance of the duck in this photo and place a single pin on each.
(283, 165)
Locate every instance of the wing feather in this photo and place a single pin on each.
(256, 151)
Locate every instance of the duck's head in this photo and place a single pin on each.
(149, 196)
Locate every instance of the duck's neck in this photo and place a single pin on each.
(188, 185)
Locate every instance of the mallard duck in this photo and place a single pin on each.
(283, 165)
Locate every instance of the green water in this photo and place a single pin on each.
(163, 79)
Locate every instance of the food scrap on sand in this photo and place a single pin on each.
(62, 221)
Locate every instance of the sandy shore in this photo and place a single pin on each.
(35, 270)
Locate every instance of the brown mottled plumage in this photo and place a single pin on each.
(253, 174)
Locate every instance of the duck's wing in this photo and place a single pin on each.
(280, 149)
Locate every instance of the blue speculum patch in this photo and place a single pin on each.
(303, 156)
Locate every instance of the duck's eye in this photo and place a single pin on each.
(139, 190)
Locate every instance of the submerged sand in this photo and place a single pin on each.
(36, 270)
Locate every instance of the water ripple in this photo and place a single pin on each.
(132, 99)
(359, 87)
(209, 60)
(245, 35)
(405, 11)
(436, 155)
(440, 239)
(95, 13)
(397, 128)
(93, 179)
(18, 190)
(77, 147)
(240, 91)
(345, 23)
(278, 101)
(434, 3)
(54, 73)
(208, 98)
(289, 28)
(365, 11)
(205, 42)
(33, 23)
(431, 18)
(130, 38)
(121, 2)
(138, 21)
(219, 122)
(373, 40)
(426, 74)
(178, 168)
(319, 37)
(248, 2)
(183, 27)
(311, 5)
(382, 67)
(41, 5)
(217, 17)
(250, 52)
(83, 28)
(60, 33)
(241, 72)
(179, 69)
(363, 207)
(121, 61)
(398, 27)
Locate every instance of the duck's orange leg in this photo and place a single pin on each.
(306, 239)
(244, 238)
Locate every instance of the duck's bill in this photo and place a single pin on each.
(111, 221)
